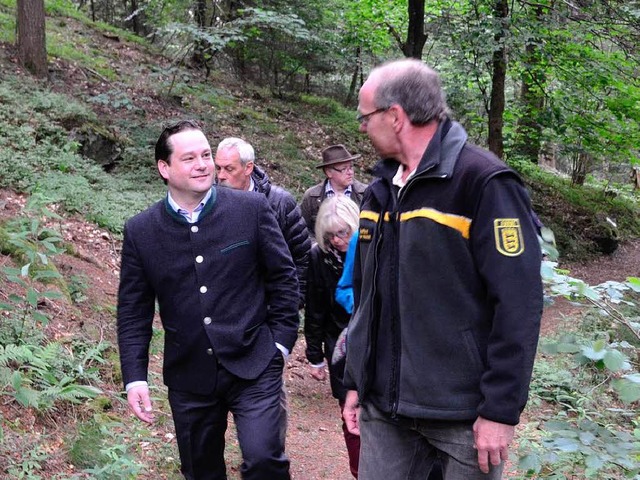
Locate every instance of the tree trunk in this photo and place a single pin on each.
(528, 130)
(354, 79)
(30, 38)
(416, 38)
(581, 166)
(499, 64)
(135, 18)
(200, 47)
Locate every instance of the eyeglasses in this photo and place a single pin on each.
(363, 119)
(341, 234)
(348, 168)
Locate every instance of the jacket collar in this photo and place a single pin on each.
(440, 157)
(261, 180)
(205, 210)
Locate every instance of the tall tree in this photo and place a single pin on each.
(30, 38)
(200, 15)
(498, 76)
(416, 36)
(532, 90)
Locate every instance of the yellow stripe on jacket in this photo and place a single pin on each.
(457, 222)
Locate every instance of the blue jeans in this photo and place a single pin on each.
(406, 449)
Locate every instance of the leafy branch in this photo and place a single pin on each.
(581, 438)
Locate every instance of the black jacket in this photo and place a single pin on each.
(212, 281)
(449, 295)
(291, 223)
(324, 317)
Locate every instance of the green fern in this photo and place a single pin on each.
(15, 353)
(40, 376)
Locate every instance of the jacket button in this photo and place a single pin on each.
(199, 259)
(207, 320)
(194, 228)
(203, 289)
(209, 351)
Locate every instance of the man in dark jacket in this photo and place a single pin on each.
(200, 253)
(448, 292)
(236, 168)
(337, 165)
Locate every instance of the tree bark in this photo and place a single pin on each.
(30, 38)
(529, 129)
(199, 49)
(135, 19)
(498, 76)
(354, 78)
(581, 165)
(416, 37)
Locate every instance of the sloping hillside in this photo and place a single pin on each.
(129, 91)
(141, 90)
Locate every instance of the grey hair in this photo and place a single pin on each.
(414, 86)
(335, 213)
(244, 149)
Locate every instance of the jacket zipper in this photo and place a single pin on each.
(396, 345)
(394, 394)
(373, 331)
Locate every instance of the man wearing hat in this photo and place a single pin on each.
(337, 164)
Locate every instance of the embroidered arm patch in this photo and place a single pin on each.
(508, 235)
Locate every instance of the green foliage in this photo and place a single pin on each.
(30, 463)
(185, 36)
(36, 155)
(591, 107)
(61, 47)
(39, 376)
(278, 42)
(32, 243)
(555, 199)
(585, 448)
(116, 99)
(41, 105)
(34, 372)
(7, 26)
(585, 373)
(605, 121)
(100, 447)
(62, 8)
(366, 24)
(78, 286)
(330, 113)
(30, 239)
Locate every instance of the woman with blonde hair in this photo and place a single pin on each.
(337, 221)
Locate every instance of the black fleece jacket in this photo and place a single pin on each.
(449, 295)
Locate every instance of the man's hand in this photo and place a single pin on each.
(140, 403)
(492, 441)
(351, 412)
(319, 373)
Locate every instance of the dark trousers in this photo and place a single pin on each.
(201, 422)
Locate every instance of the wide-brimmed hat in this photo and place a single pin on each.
(336, 154)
